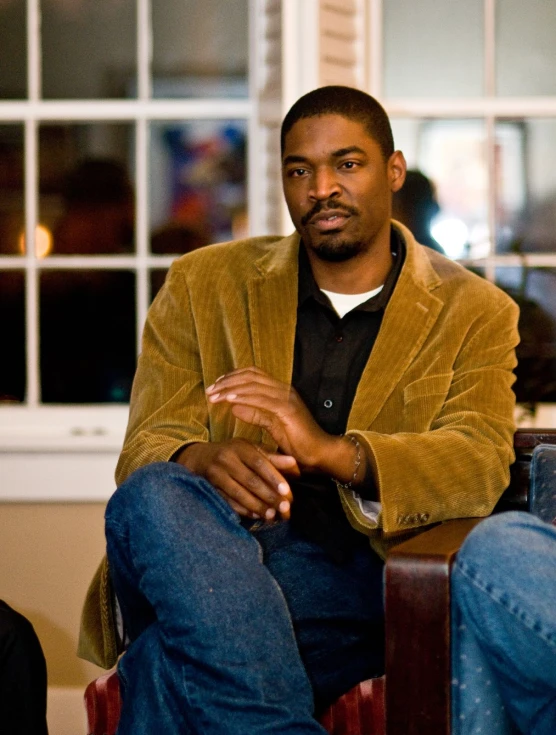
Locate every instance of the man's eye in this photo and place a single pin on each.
(297, 172)
(349, 164)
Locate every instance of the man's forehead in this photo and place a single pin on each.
(333, 132)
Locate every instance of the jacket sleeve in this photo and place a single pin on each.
(459, 465)
(168, 408)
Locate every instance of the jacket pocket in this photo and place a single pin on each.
(423, 401)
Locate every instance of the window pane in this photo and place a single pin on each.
(200, 48)
(526, 53)
(197, 184)
(12, 318)
(12, 218)
(89, 48)
(157, 279)
(86, 192)
(451, 154)
(433, 49)
(87, 323)
(526, 186)
(534, 289)
(13, 50)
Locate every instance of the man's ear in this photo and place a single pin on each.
(396, 170)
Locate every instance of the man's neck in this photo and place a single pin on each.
(364, 272)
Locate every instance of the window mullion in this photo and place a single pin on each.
(490, 48)
(142, 224)
(31, 271)
(490, 138)
(144, 56)
(144, 49)
(33, 50)
(31, 206)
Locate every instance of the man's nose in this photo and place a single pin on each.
(324, 184)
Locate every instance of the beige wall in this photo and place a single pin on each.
(48, 554)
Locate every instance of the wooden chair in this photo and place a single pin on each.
(416, 699)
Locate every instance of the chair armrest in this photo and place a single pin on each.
(417, 603)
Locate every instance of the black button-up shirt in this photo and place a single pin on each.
(330, 355)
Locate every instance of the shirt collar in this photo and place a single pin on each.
(308, 287)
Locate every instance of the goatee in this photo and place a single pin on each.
(337, 251)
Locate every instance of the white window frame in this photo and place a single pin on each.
(33, 427)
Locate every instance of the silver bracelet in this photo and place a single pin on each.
(349, 485)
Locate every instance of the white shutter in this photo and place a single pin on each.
(297, 45)
(341, 43)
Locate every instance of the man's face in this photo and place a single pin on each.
(338, 187)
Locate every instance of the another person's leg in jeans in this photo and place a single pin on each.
(213, 649)
(22, 676)
(504, 584)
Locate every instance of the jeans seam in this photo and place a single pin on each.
(515, 611)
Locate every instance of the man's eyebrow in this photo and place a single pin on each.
(347, 151)
(335, 154)
(293, 159)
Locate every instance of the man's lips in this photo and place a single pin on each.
(331, 219)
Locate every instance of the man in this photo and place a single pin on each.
(415, 206)
(296, 397)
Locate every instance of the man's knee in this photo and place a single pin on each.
(155, 483)
(156, 492)
(497, 539)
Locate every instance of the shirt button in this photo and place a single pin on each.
(328, 403)
(339, 338)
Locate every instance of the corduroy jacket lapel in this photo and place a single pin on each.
(410, 315)
(272, 295)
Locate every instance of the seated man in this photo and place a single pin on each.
(296, 398)
(22, 676)
(504, 587)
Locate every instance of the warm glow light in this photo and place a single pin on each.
(452, 234)
(43, 241)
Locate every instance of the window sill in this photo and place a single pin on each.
(81, 429)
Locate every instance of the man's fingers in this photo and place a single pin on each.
(239, 509)
(285, 464)
(249, 478)
(246, 475)
(238, 496)
(253, 379)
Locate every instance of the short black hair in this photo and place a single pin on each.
(349, 102)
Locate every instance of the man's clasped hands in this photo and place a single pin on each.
(252, 478)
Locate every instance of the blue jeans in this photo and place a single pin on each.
(504, 591)
(232, 631)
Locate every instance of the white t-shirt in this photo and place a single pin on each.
(346, 302)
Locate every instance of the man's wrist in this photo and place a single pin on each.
(186, 455)
(356, 465)
(343, 458)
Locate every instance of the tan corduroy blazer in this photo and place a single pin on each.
(434, 406)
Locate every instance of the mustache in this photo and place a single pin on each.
(323, 206)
